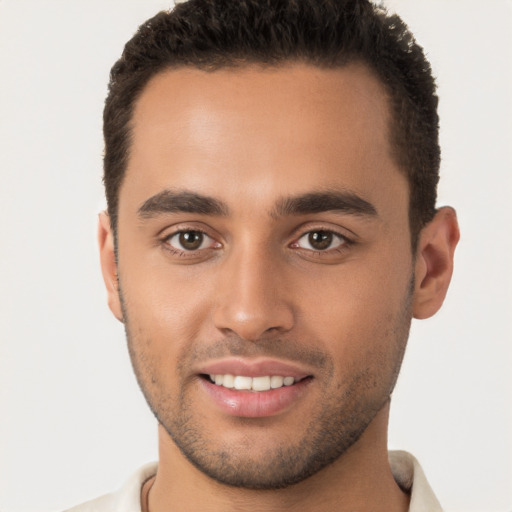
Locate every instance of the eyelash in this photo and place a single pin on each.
(184, 253)
(346, 242)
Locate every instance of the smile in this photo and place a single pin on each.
(254, 397)
(243, 383)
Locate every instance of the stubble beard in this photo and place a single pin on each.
(335, 425)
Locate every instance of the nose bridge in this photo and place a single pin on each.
(252, 294)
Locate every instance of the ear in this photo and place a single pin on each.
(109, 265)
(434, 262)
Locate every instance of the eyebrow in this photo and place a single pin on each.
(172, 201)
(324, 201)
(169, 201)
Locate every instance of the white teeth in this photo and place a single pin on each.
(276, 381)
(228, 381)
(240, 382)
(288, 381)
(261, 383)
(243, 382)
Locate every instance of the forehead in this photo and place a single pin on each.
(261, 131)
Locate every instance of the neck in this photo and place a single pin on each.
(360, 479)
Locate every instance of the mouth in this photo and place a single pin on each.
(256, 384)
(254, 389)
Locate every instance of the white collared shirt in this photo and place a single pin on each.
(405, 468)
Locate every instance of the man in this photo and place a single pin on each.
(270, 172)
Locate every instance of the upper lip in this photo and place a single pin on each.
(253, 368)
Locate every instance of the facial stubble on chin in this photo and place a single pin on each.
(337, 422)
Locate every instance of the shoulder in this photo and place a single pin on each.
(125, 499)
(409, 475)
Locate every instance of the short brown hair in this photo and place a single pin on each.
(212, 34)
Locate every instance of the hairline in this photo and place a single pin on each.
(248, 62)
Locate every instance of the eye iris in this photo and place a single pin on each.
(320, 240)
(191, 240)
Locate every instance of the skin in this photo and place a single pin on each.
(258, 289)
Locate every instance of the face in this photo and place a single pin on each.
(264, 265)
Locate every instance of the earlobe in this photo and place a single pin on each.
(109, 264)
(434, 262)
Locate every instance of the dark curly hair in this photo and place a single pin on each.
(213, 34)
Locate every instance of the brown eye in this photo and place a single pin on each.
(320, 240)
(189, 240)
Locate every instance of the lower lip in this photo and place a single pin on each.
(255, 404)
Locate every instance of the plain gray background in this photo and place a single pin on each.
(73, 423)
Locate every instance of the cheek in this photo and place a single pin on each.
(164, 315)
(366, 339)
(161, 323)
(358, 309)
(164, 301)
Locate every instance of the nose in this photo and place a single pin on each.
(252, 299)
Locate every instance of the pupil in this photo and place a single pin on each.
(191, 240)
(320, 240)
